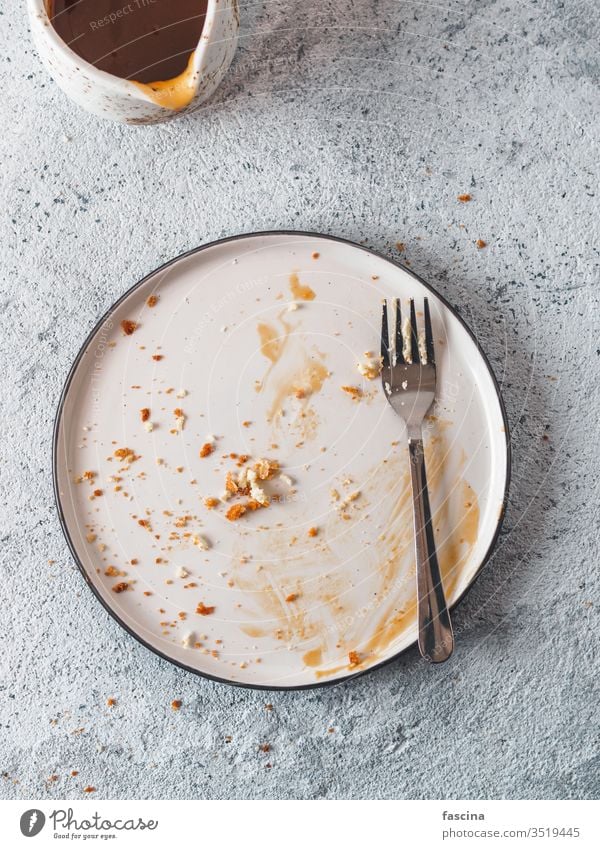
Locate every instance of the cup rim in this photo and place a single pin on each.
(37, 9)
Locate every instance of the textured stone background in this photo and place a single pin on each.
(366, 119)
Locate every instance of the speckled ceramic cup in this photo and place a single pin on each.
(130, 102)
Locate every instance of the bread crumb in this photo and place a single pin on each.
(354, 658)
(481, 244)
(464, 198)
(128, 327)
(89, 789)
(207, 449)
(201, 542)
(111, 702)
(126, 455)
(176, 704)
(204, 610)
(371, 366)
(291, 597)
(235, 511)
(152, 301)
(179, 419)
(145, 414)
(188, 640)
(312, 532)
(354, 391)
(120, 587)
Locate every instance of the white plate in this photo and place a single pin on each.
(354, 581)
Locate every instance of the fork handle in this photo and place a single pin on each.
(436, 640)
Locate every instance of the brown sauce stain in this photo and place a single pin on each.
(253, 631)
(458, 516)
(341, 623)
(289, 620)
(325, 673)
(301, 384)
(271, 341)
(299, 290)
(313, 657)
(454, 551)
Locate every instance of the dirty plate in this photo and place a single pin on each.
(242, 365)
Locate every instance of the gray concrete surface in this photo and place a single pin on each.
(366, 120)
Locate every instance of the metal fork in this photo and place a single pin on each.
(408, 376)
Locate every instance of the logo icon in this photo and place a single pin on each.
(32, 822)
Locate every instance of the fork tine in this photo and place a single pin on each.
(398, 335)
(385, 337)
(414, 341)
(428, 333)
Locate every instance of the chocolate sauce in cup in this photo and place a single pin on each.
(136, 61)
(143, 40)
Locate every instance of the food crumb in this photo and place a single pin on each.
(354, 391)
(128, 327)
(353, 658)
(120, 587)
(176, 704)
(89, 789)
(481, 244)
(312, 532)
(315, 255)
(179, 419)
(204, 610)
(152, 301)
(201, 542)
(235, 511)
(371, 366)
(465, 198)
(291, 597)
(145, 414)
(111, 702)
(207, 449)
